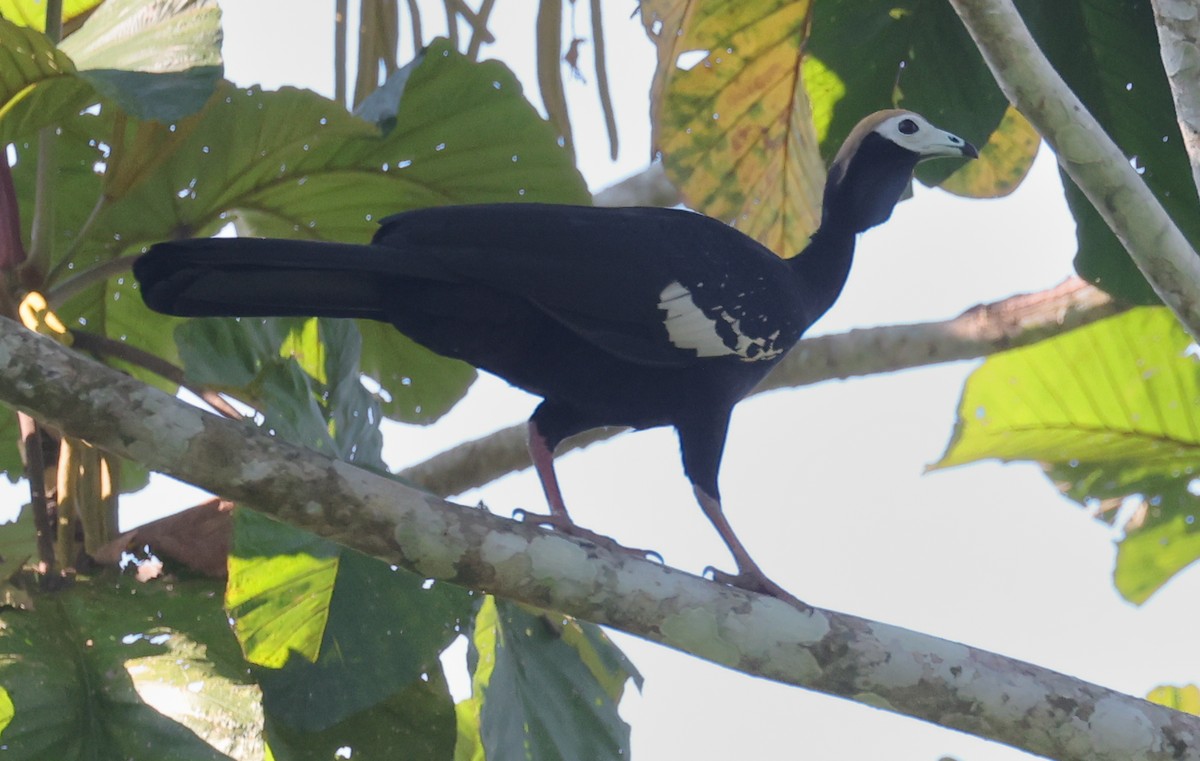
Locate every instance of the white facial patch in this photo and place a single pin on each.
(914, 132)
(688, 327)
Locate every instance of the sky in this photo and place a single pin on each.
(824, 484)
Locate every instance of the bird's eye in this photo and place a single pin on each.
(907, 127)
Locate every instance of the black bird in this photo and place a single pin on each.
(639, 317)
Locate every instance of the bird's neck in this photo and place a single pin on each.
(822, 267)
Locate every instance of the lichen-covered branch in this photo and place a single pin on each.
(1087, 154)
(1178, 23)
(982, 330)
(943, 682)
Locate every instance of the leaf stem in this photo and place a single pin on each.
(73, 249)
(73, 286)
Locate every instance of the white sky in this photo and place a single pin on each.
(824, 484)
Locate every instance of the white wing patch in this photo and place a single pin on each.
(688, 327)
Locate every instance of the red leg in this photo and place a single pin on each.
(749, 575)
(543, 464)
(558, 519)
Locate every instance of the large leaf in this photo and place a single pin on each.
(1113, 410)
(18, 543)
(1107, 51)
(302, 374)
(544, 687)
(292, 164)
(127, 671)
(334, 648)
(735, 128)
(415, 723)
(159, 59)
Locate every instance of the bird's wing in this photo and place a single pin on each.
(652, 286)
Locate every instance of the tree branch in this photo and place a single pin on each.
(980, 331)
(953, 685)
(649, 187)
(1087, 154)
(1178, 23)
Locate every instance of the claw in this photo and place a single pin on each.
(564, 525)
(756, 581)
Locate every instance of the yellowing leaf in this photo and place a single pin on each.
(1003, 162)
(1112, 410)
(1186, 698)
(735, 127)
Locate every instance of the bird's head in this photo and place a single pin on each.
(875, 164)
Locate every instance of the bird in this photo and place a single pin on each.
(638, 317)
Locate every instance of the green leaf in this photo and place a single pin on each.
(159, 59)
(1113, 410)
(1162, 544)
(1117, 390)
(280, 587)
(1185, 698)
(7, 711)
(547, 688)
(1108, 53)
(11, 463)
(219, 352)
(38, 84)
(908, 54)
(373, 635)
(152, 673)
(18, 543)
(419, 386)
(290, 163)
(32, 13)
(419, 719)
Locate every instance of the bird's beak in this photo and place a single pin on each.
(948, 144)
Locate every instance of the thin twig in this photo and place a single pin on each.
(451, 22)
(35, 473)
(339, 51)
(479, 29)
(414, 12)
(107, 347)
(610, 118)
(80, 237)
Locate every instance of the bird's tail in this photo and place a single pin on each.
(262, 277)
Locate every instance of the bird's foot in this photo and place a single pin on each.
(756, 581)
(564, 525)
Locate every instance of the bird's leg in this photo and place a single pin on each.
(749, 575)
(542, 454)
